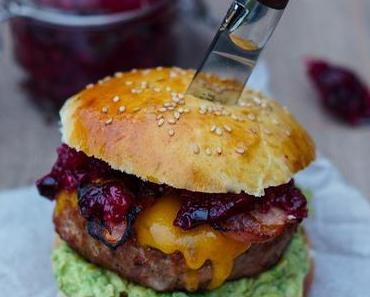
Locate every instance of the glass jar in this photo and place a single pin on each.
(63, 45)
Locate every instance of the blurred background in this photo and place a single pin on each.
(41, 64)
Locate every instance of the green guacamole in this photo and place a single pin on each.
(78, 278)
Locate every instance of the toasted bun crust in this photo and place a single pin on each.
(141, 123)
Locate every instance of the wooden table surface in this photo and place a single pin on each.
(338, 30)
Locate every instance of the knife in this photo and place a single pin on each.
(235, 49)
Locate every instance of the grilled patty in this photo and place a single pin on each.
(152, 268)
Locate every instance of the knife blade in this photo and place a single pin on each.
(234, 51)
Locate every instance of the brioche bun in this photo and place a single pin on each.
(140, 123)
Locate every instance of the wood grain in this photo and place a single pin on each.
(338, 30)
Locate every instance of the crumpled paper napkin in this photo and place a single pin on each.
(339, 228)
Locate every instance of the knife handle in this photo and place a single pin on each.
(276, 4)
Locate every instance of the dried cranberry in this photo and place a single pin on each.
(342, 91)
(109, 209)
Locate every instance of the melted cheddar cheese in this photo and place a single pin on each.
(154, 228)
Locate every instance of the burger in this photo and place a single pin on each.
(162, 194)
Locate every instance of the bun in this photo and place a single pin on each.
(141, 123)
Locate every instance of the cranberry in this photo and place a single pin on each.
(93, 6)
(342, 91)
(59, 61)
(198, 208)
(48, 186)
(107, 207)
(70, 170)
(110, 200)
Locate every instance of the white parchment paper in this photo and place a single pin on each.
(339, 228)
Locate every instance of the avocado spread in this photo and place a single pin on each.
(78, 278)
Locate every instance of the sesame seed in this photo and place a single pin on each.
(234, 117)
(208, 151)
(116, 99)
(167, 104)
(171, 107)
(182, 102)
(268, 132)
(160, 122)
(144, 84)
(176, 99)
(181, 110)
(146, 71)
(136, 109)
(251, 116)
(171, 121)
(160, 117)
(196, 149)
(136, 91)
(109, 122)
(173, 74)
(134, 70)
(107, 78)
(219, 150)
(105, 109)
(118, 74)
(128, 83)
(291, 217)
(177, 115)
(171, 132)
(100, 82)
(186, 110)
(181, 96)
(168, 89)
(218, 113)
(242, 104)
(202, 111)
(89, 86)
(288, 133)
(219, 131)
(257, 100)
(159, 68)
(157, 90)
(227, 128)
(213, 128)
(240, 150)
(122, 109)
(203, 107)
(162, 109)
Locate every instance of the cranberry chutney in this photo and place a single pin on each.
(111, 200)
(58, 61)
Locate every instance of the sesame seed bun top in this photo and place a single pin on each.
(141, 123)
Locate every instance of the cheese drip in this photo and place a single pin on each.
(154, 228)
